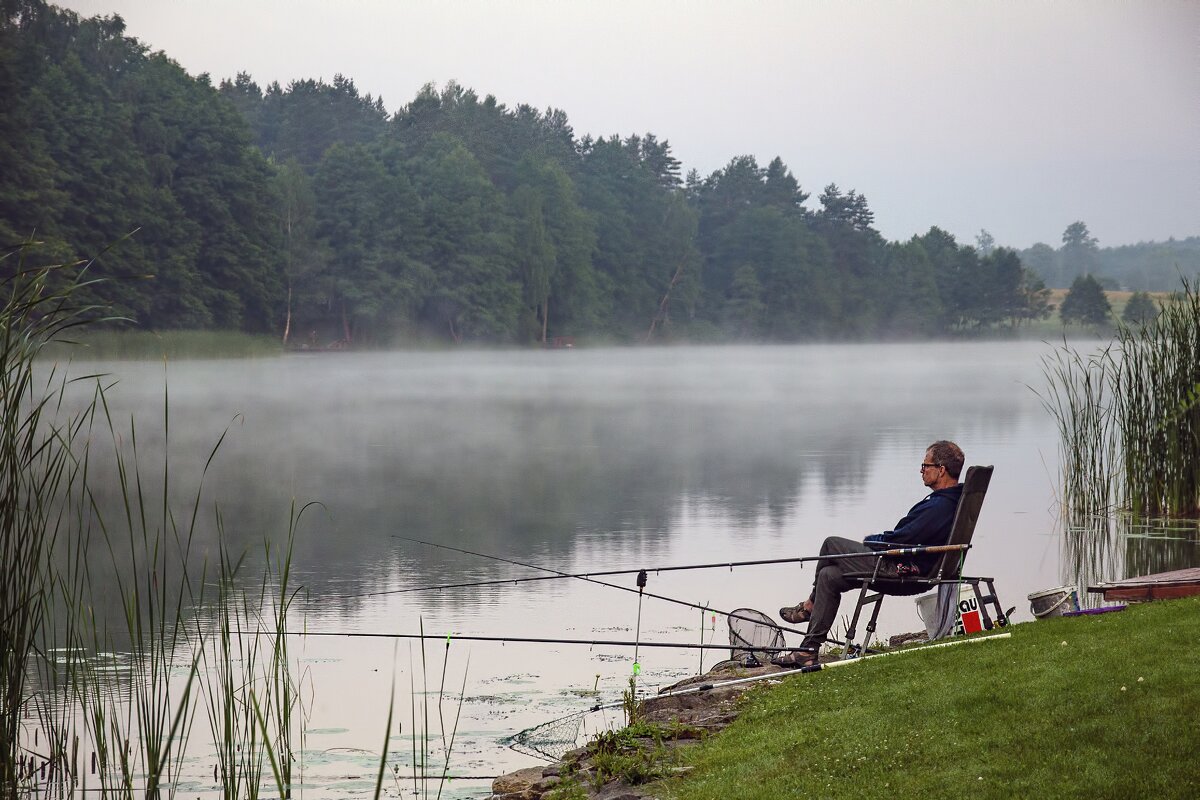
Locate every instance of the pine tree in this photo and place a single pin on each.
(1086, 303)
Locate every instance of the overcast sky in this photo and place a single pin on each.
(1017, 116)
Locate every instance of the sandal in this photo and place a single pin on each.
(796, 659)
(796, 614)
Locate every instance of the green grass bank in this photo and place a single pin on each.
(1105, 706)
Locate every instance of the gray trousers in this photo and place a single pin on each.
(829, 583)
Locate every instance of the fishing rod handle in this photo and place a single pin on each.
(936, 548)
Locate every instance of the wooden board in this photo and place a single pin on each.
(1160, 586)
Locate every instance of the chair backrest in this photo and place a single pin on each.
(975, 486)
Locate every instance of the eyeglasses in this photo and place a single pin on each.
(929, 466)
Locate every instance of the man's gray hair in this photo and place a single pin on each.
(948, 455)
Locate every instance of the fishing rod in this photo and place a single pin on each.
(880, 554)
(539, 640)
(532, 578)
(704, 687)
(609, 573)
(640, 590)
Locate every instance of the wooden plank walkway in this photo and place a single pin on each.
(1160, 586)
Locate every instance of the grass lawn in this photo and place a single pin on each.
(1106, 706)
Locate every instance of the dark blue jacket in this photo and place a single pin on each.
(927, 523)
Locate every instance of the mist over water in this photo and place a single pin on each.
(530, 453)
(588, 460)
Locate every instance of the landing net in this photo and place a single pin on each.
(550, 740)
(753, 637)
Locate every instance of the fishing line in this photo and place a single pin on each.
(621, 643)
(880, 554)
(612, 572)
(529, 640)
(557, 574)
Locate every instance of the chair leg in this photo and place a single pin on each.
(983, 612)
(866, 642)
(994, 600)
(985, 600)
(852, 649)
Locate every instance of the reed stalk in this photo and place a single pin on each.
(1129, 417)
(78, 685)
(1157, 383)
(421, 740)
(251, 696)
(36, 470)
(1079, 398)
(96, 702)
(283, 700)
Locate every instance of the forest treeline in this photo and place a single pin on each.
(312, 212)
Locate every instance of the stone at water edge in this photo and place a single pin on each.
(516, 784)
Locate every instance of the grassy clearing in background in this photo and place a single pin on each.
(1085, 707)
(114, 345)
(1054, 328)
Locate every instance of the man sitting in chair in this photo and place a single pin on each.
(927, 523)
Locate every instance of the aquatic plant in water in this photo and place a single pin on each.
(1156, 383)
(36, 471)
(114, 696)
(1129, 417)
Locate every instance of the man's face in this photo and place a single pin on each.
(930, 473)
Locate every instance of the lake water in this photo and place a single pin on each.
(585, 460)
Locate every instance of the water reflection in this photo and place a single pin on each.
(526, 453)
(1101, 548)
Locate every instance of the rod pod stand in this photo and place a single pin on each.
(642, 578)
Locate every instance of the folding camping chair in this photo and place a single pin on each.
(947, 569)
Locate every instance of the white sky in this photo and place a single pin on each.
(1018, 116)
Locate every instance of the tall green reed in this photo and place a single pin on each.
(1129, 417)
(1079, 399)
(147, 544)
(282, 723)
(36, 470)
(77, 679)
(429, 764)
(1157, 383)
(218, 648)
(251, 696)
(122, 691)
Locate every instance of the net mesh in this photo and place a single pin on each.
(753, 637)
(550, 740)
